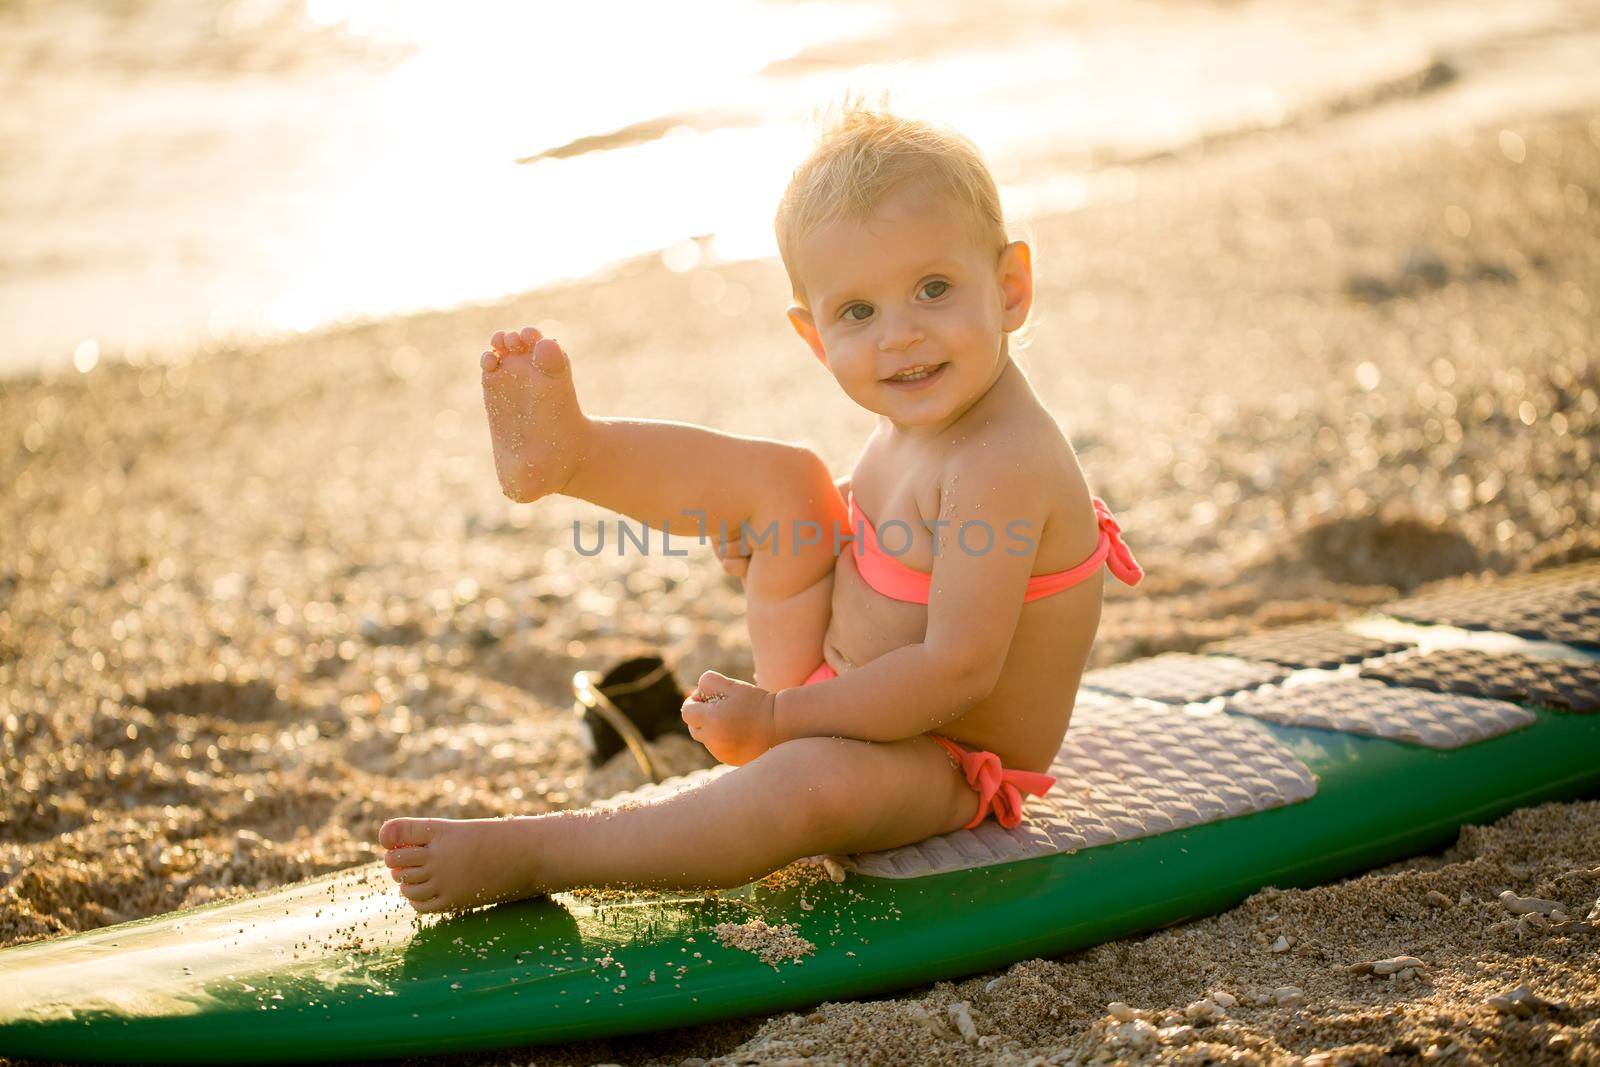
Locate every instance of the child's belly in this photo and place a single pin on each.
(1023, 719)
(864, 623)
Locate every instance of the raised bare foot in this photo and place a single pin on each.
(450, 864)
(536, 427)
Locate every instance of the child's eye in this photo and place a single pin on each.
(944, 287)
(856, 318)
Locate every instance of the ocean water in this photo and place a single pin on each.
(183, 174)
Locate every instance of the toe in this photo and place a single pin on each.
(417, 892)
(549, 357)
(489, 361)
(410, 856)
(405, 833)
(515, 343)
(530, 336)
(409, 875)
(498, 342)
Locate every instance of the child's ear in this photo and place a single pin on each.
(1016, 284)
(806, 327)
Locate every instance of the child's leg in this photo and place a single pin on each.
(801, 798)
(682, 478)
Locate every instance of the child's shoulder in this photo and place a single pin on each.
(1025, 467)
(1024, 438)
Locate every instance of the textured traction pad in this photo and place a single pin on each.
(1354, 705)
(1311, 646)
(1183, 678)
(1124, 771)
(1563, 684)
(1561, 606)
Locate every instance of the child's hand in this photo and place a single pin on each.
(733, 719)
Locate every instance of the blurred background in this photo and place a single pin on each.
(1317, 286)
(182, 172)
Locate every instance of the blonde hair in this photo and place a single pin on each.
(865, 153)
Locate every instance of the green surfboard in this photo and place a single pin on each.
(339, 967)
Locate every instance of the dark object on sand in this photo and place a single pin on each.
(635, 701)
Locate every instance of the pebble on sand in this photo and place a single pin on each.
(1550, 909)
(1524, 1003)
(1392, 965)
(961, 1015)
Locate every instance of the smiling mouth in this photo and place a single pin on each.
(917, 373)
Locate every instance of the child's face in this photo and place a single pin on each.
(908, 289)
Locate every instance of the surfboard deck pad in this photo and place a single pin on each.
(1565, 684)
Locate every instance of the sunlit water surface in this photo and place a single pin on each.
(184, 172)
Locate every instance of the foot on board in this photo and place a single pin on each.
(450, 864)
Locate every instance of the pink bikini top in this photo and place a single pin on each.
(895, 580)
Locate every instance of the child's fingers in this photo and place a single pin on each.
(712, 684)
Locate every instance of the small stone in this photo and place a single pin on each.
(1392, 965)
(1523, 1002)
(1203, 1010)
(1225, 1000)
(1288, 996)
(1528, 905)
(1176, 1035)
(961, 1015)
(1121, 1012)
(994, 985)
(834, 868)
(1437, 899)
(1532, 923)
(1282, 944)
(1136, 1034)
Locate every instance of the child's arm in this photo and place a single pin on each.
(974, 603)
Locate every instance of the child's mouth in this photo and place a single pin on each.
(917, 377)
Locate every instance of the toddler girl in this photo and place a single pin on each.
(909, 685)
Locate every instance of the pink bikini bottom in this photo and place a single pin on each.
(999, 790)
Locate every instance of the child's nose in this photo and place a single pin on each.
(898, 333)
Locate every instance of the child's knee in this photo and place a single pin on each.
(792, 539)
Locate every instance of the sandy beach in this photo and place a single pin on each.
(252, 602)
